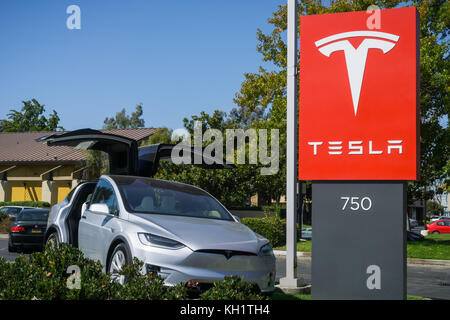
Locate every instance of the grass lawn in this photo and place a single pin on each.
(283, 296)
(435, 246)
(304, 246)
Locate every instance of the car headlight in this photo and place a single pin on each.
(149, 239)
(266, 250)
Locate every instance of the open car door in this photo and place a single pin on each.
(150, 157)
(122, 151)
(125, 158)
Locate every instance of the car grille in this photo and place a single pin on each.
(227, 253)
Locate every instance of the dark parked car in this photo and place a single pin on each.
(28, 230)
(414, 236)
(13, 211)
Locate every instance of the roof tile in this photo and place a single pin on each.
(21, 147)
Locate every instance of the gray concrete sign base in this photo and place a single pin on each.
(368, 261)
(300, 289)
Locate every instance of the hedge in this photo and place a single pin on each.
(271, 228)
(232, 288)
(36, 204)
(44, 276)
(245, 208)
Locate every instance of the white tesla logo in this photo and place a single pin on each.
(356, 58)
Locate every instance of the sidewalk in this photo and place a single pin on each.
(428, 262)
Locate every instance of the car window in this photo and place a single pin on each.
(141, 195)
(104, 193)
(447, 223)
(440, 223)
(13, 211)
(33, 215)
(70, 194)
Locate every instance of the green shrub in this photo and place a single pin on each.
(146, 287)
(245, 208)
(271, 228)
(274, 210)
(36, 204)
(232, 288)
(44, 276)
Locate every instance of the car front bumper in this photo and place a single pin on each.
(185, 265)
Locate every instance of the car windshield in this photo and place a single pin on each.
(13, 211)
(33, 215)
(144, 195)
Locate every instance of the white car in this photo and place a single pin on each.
(179, 231)
(436, 218)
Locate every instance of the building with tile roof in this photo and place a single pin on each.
(33, 171)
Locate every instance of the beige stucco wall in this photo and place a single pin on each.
(24, 183)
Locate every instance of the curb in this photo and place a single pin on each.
(306, 289)
(428, 262)
(299, 254)
(4, 236)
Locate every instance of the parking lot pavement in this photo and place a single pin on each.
(423, 280)
(9, 256)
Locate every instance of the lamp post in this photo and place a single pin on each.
(290, 280)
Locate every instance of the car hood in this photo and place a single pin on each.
(203, 233)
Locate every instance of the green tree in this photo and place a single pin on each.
(161, 135)
(231, 186)
(434, 208)
(124, 121)
(30, 118)
(434, 102)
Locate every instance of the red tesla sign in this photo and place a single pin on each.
(358, 116)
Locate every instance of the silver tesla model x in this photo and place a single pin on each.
(179, 231)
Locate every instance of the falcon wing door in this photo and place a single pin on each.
(122, 151)
(150, 156)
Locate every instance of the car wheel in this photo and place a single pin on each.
(119, 258)
(52, 240)
(11, 248)
(435, 232)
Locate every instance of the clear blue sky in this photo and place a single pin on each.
(177, 57)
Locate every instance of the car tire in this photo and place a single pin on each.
(52, 239)
(11, 248)
(435, 232)
(120, 257)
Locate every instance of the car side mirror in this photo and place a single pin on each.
(99, 208)
(237, 219)
(12, 219)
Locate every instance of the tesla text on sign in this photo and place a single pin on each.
(358, 117)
